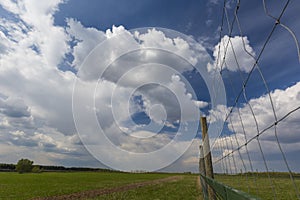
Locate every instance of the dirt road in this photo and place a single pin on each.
(99, 192)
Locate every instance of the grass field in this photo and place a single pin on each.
(28, 186)
(186, 188)
(259, 184)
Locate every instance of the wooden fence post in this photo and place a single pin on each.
(201, 161)
(202, 171)
(207, 157)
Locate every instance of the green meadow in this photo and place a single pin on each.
(33, 185)
(184, 186)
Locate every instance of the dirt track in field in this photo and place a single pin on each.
(99, 192)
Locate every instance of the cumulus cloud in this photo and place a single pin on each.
(144, 73)
(136, 49)
(242, 122)
(201, 104)
(175, 99)
(158, 39)
(29, 66)
(38, 19)
(86, 39)
(231, 54)
(35, 104)
(283, 101)
(136, 69)
(36, 101)
(14, 108)
(35, 110)
(189, 161)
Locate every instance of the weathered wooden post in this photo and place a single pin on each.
(207, 157)
(201, 161)
(202, 172)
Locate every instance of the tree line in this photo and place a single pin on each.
(26, 166)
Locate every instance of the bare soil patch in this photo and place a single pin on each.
(99, 192)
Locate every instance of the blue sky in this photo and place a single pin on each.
(42, 51)
(134, 14)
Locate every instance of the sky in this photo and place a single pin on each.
(122, 84)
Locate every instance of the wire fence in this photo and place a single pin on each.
(255, 149)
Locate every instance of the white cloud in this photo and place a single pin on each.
(157, 39)
(36, 113)
(236, 58)
(14, 108)
(31, 74)
(219, 113)
(37, 16)
(287, 130)
(4, 41)
(128, 79)
(149, 145)
(176, 100)
(189, 162)
(86, 38)
(284, 101)
(201, 104)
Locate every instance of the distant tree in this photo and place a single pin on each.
(24, 165)
(36, 169)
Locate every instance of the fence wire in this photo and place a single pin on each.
(231, 154)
